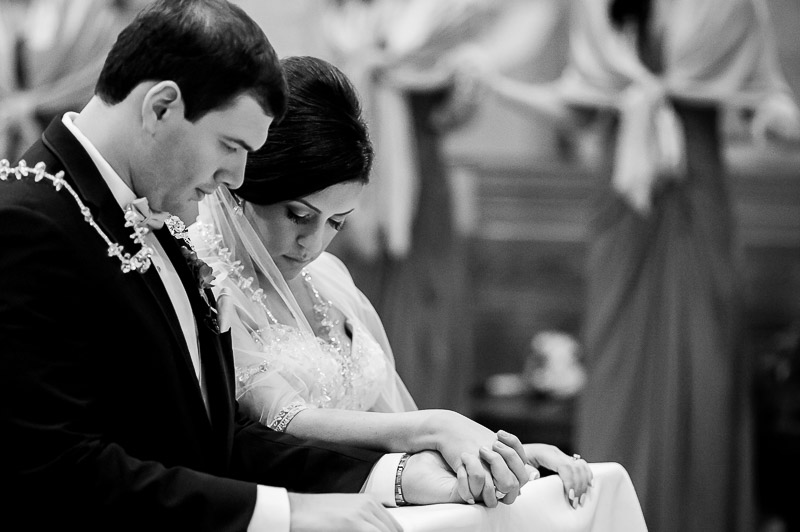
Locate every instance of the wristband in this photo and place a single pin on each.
(398, 481)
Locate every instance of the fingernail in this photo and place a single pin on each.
(484, 448)
(575, 504)
(500, 444)
(571, 494)
(535, 474)
(470, 501)
(502, 433)
(583, 498)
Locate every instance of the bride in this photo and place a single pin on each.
(312, 358)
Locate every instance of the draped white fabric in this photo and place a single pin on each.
(386, 48)
(715, 51)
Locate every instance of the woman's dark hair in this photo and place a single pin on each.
(211, 48)
(321, 141)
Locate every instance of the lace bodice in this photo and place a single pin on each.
(350, 379)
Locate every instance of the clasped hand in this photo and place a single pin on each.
(492, 467)
(489, 467)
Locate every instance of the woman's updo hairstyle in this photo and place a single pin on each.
(322, 139)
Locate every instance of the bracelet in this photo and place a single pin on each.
(398, 481)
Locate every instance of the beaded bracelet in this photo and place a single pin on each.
(398, 481)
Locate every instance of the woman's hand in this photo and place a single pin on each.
(481, 461)
(574, 472)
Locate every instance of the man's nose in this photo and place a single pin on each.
(232, 175)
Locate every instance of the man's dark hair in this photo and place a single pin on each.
(211, 48)
(322, 141)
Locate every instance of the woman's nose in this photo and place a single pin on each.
(310, 240)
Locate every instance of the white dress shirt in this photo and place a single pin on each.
(272, 504)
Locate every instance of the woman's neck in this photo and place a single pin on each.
(325, 319)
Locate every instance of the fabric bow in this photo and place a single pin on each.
(145, 216)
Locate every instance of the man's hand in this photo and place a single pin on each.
(483, 460)
(427, 479)
(339, 513)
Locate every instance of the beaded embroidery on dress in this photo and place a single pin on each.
(349, 379)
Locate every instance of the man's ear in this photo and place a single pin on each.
(162, 103)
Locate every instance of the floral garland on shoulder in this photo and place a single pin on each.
(139, 261)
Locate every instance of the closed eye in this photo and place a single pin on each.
(338, 225)
(298, 218)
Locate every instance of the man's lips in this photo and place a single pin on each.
(202, 192)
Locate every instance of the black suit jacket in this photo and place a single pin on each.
(103, 422)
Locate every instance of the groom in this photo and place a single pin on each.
(118, 408)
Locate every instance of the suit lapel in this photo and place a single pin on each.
(90, 186)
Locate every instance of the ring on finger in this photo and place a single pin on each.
(576, 456)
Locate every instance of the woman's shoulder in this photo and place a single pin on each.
(331, 265)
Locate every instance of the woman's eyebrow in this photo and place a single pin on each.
(307, 204)
(318, 211)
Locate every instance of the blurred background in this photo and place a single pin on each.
(478, 265)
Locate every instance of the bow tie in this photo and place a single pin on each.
(143, 216)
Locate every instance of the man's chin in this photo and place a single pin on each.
(187, 211)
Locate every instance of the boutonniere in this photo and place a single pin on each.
(202, 273)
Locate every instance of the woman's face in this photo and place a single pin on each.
(296, 232)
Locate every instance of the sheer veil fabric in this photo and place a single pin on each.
(282, 367)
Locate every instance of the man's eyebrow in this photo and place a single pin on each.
(246, 147)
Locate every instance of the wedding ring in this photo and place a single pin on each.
(576, 457)
(499, 494)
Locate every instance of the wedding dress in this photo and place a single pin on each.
(282, 367)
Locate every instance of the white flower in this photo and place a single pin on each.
(553, 366)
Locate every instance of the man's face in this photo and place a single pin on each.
(190, 160)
